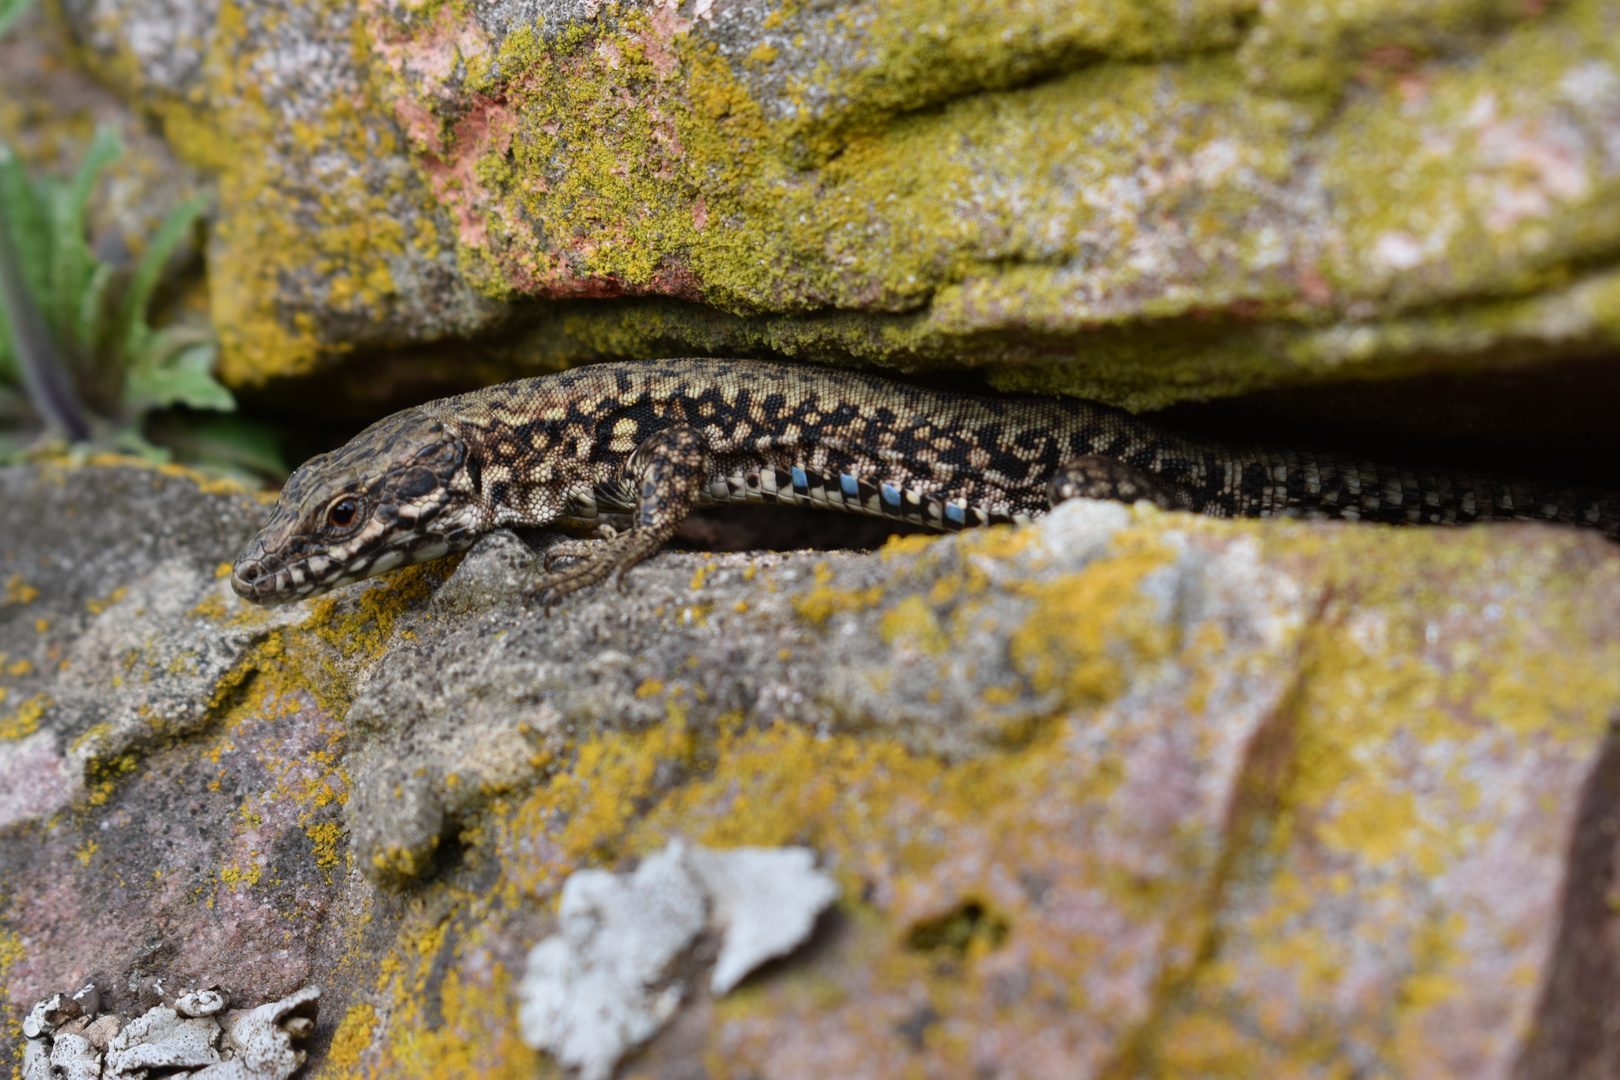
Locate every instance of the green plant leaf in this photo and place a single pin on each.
(73, 266)
(132, 329)
(90, 323)
(131, 441)
(184, 378)
(11, 11)
(31, 237)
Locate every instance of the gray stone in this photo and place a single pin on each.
(115, 625)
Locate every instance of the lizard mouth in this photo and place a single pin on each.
(261, 581)
(265, 578)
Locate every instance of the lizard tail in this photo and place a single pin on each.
(1272, 483)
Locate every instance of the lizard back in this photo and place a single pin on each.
(559, 445)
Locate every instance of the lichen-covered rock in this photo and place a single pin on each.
(132, 604)
(1140, 202)
(1120, 792)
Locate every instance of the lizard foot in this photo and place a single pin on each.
(668, 470)
(598, 559)
(575, 549)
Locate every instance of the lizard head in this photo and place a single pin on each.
(396, 494)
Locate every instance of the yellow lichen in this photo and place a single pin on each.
(25, 720)
(19, 591)
(1090, 629)
(912, 621)
(213, 609)
(352, 1038)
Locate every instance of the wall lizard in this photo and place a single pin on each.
(655, 439)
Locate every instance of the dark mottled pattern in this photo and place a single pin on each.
(657, 438)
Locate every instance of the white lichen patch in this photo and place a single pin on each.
(162, 1039)
(603, 984)
(764, 901)
(185, 1037)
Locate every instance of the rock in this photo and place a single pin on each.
(1123, 786)
(51, 109)
(1140, 203)
(326, 237)
(165, 644)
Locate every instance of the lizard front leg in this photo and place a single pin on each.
(667, 472)
(1097, 476)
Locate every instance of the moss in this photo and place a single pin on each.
(284, 235)
(1300, 50)
(915, 186)
(1520, 218)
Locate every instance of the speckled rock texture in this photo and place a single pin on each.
(1138, 202)
(1123, 793)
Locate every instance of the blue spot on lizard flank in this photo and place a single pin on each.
(891, 494)
(849, 484)
(955, 512)
(799, 479)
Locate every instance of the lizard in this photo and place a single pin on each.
(656, 439)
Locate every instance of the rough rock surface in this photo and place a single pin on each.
(1140, 202)
(1123, 793)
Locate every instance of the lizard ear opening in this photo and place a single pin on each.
(441, 455)
(475, 473)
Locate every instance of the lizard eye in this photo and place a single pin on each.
(341, 513)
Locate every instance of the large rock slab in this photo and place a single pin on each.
(1140, 203)
(1121, 792)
